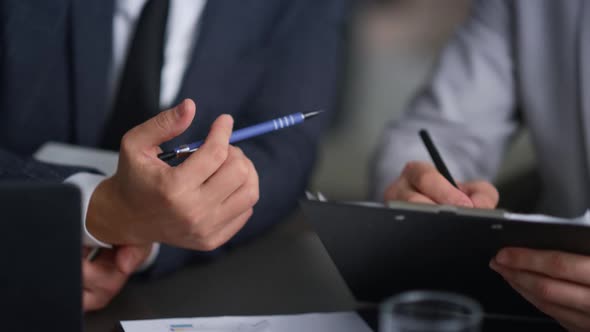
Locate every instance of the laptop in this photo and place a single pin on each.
(40, 250)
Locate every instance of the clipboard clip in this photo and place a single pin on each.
(447, 209)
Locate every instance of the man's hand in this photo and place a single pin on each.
(104, 277)
(199, 204)
(557, 283)
(420, 182)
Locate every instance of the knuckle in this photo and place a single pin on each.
(238, 151)
(408, 168)
(210, 244)
(167, 189)
(558, 264)
(545, 290)
(252, 169)
(392, 192)
(126, 143)
(163, 121)
(235, 152)
(412, 167)
(198, 232)
(169, 201)
(424, 180)
(194, 222)
(252, 196)
(166, 196)
(488, 189)
(242, 168)
(219, 153)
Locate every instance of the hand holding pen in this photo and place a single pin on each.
(141, 204)
(237, 135)
(199, 204)
(423, 182)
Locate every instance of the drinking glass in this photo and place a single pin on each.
(429, 311)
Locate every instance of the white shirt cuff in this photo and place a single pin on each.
(87, 183)
(151, 258)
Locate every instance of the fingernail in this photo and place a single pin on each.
(181, 109)
(230, 117)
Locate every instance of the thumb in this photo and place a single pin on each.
(162, 127)
(129, 258)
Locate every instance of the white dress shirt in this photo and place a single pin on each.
(181, 30)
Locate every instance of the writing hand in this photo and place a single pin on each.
(420, 182)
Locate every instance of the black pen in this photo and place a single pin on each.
(436, 158)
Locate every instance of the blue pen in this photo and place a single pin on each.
(244, 133)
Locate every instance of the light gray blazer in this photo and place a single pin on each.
(513, 63)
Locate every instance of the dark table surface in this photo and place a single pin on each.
(286, 271)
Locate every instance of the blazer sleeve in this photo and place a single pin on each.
(25, 168)
(468, 105)
(301, 76)
(15, 167)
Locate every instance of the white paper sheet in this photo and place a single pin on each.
(318, 322)
(584, 219)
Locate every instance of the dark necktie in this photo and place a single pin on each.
(138, 97)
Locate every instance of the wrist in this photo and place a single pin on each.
(108, 219)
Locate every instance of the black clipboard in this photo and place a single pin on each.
(384, 250)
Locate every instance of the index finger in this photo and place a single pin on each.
(555, 264)
(211, 155)
(428, 181)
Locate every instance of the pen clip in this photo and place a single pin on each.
(318, 197)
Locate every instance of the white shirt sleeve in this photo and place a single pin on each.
(87, 183)
(151, 258)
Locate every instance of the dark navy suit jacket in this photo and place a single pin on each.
(254, 59)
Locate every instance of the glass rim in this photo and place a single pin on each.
(473, 318)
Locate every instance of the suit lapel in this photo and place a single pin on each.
(213, 48)
(92, 45)
(222, 57)
(32, 27)
(584, 65)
